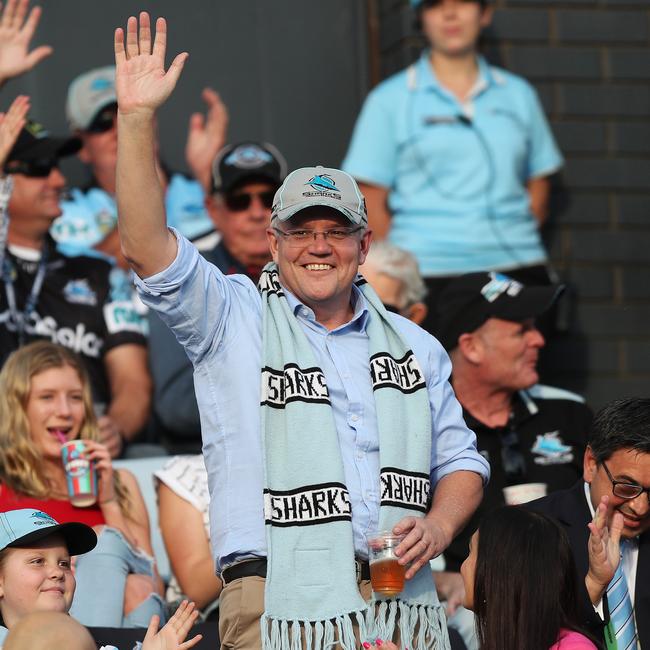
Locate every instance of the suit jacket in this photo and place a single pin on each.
(570, 508)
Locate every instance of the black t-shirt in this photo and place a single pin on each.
(84, 305)
(550, 427)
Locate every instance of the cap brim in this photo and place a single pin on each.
(287, 213)
(533, 301)
(78, 537)
(49, 148)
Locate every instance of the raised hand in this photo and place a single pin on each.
(206, 137)
(15, 36)
(141, 83)
(11, 123)
(172, 635)
(603, 549)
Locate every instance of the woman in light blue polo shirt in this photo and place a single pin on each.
(453, 156)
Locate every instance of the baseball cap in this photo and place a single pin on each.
(324, 186)
(470, 300)
(35, 143)
(88, 94)
(21, 527)
(239, 162)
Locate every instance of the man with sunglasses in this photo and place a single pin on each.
(613, 499)
(245, 176)
(78, 302)
(89, 219)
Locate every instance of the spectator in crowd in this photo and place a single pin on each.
(44, 399)
(312, 315)
(37, 586)
(16, 34)
(612, 556)
(520, 582)
(454, 156)
(89, 219)
(79, 302)
(394, 275)
(245, 178)
(529, 433)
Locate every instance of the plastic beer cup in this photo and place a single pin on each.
(80, 474)
(386, 575)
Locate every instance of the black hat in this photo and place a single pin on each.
(35, 143)
(239, 162)
(470, 300)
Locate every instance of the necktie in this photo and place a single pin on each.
(620, 611)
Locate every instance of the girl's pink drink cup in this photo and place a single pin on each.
(80, 474)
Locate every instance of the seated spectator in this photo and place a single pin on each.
(89, 220)
(37, 585)
(393, 273)
(520, 582)
(183, 516)
(45, 398)
(245, 177)
(78, 302)
(607, 517)
(529, 433)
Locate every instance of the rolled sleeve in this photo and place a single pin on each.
(453, 445)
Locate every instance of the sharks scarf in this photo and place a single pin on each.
(312, 598)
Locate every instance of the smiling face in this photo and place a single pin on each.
(452, 27)
(507, 353)
(55, 408)
(320, 272)
(36, 579)
(629, 466)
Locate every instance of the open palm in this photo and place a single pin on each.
(141, 82)
(604, 544)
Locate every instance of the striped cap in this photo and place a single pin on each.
(319, 186)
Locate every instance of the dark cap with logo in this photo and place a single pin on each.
(320, 186)
(34, 143)
(470, 300)
(237, 163)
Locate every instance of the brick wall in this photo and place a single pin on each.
(590, 62)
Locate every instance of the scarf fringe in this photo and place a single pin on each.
(428, 621)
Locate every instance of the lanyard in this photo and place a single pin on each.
(21, 318)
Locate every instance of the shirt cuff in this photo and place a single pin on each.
(479, 466)
(598, 608)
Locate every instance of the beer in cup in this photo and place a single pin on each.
(80, 474)
(386, 575)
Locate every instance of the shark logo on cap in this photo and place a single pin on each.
(43, 519)
(323, 182)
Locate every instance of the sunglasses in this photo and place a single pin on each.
(40, 168)
(103, 121)
(242, 201)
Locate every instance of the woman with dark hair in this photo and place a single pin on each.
(520, 582)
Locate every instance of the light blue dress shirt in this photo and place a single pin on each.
(218, 319)
(456, 172)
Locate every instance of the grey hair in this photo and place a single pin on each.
(400, 265)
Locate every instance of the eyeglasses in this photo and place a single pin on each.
(39, 168)
(623, 489)
(242, 200)
(302, 237)
(104, 120)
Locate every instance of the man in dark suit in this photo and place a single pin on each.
(617, 485)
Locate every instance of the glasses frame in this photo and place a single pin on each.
(639, 488)
(289, 235)
(266, 199)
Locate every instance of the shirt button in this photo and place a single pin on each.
(360, 455)
(354, 417)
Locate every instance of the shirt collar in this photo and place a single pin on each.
(358, 321)
(426, 76)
